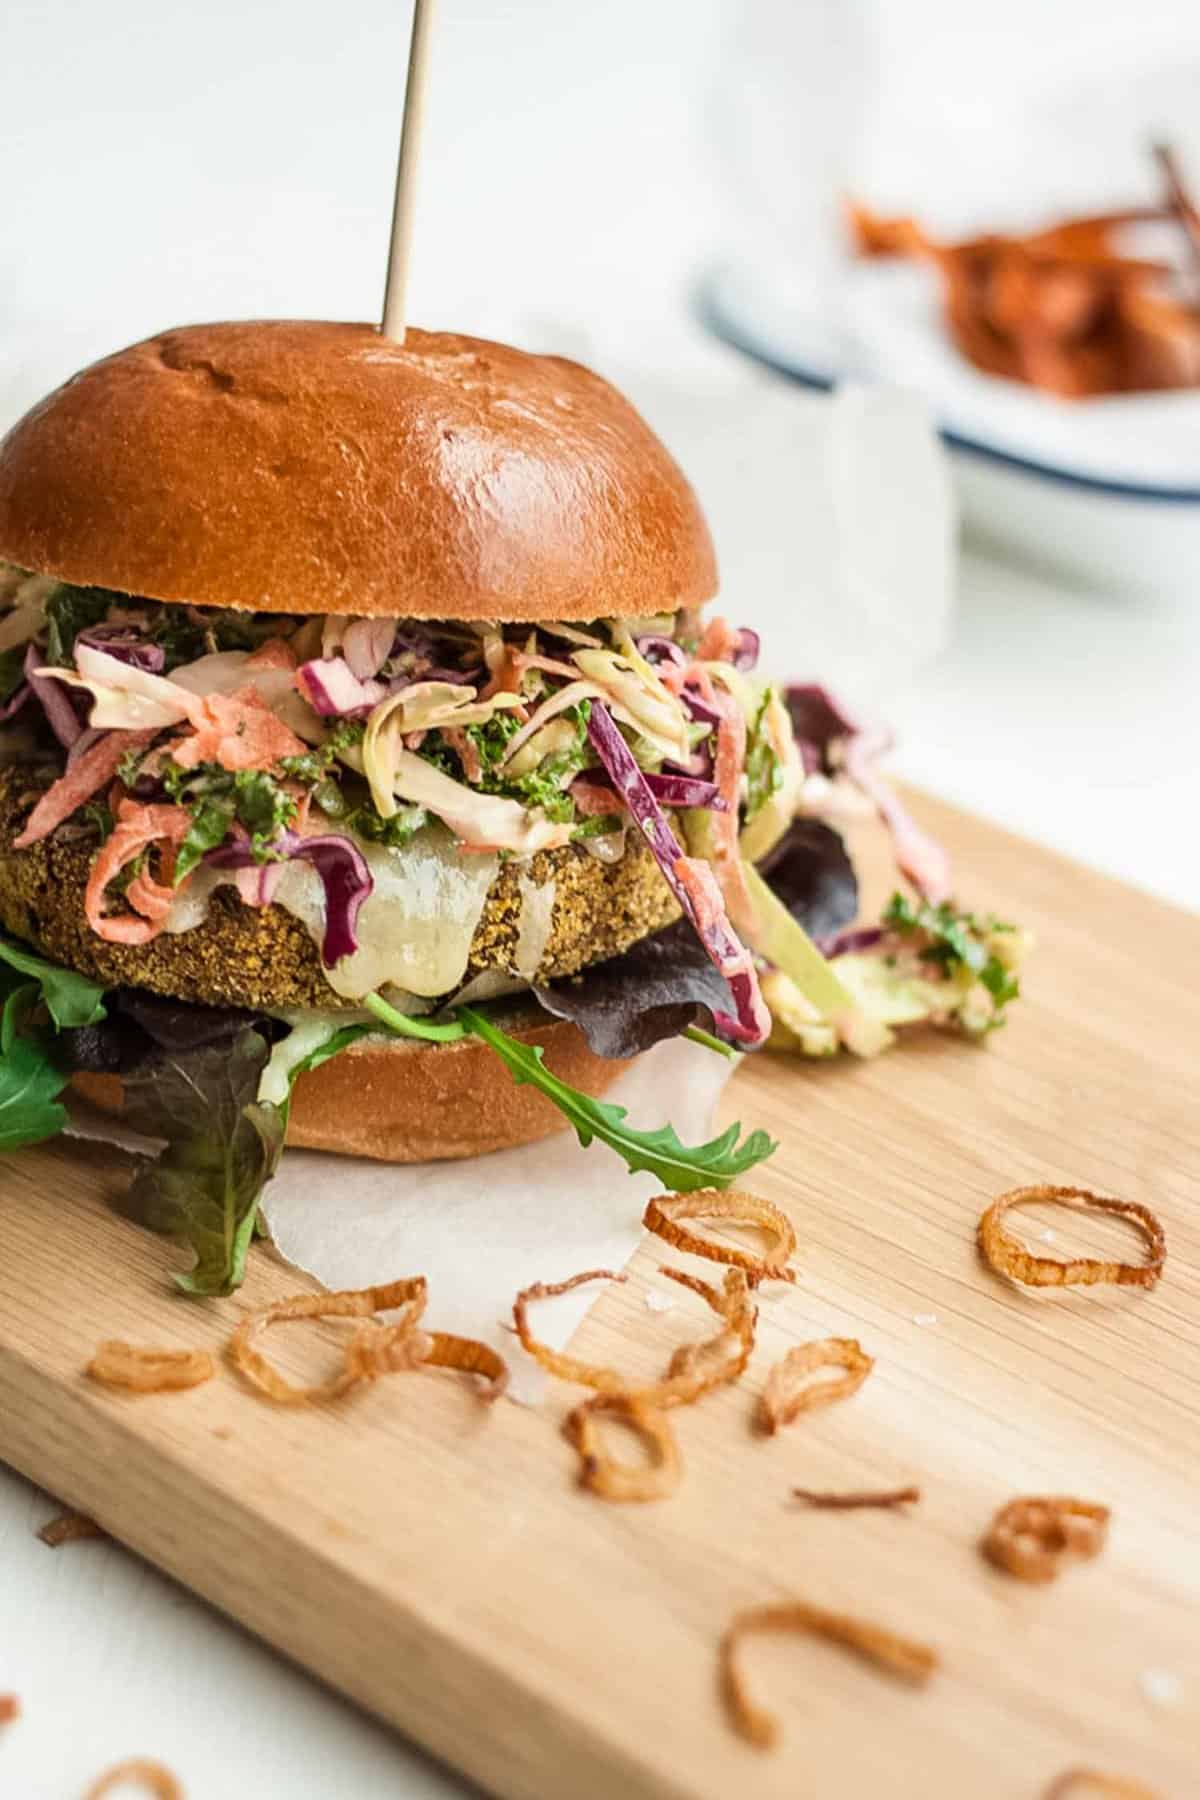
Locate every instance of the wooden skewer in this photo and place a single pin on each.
(1180, 201)
(404, 207)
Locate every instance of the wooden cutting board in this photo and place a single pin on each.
(436, 1561)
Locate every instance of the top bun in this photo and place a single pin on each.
(309, 467)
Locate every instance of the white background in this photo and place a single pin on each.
(161, 163)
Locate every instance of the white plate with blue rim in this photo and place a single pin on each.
(1105, 492)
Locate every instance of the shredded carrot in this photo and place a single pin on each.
(238, 732)
(138, 828)
(728, 764)
(718, 643)
(85, 777)
(276, 653)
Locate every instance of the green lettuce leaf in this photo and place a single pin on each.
(30, 1082)
(30, 1110)
(680, 1167)
(70, 999)
(222, 1147)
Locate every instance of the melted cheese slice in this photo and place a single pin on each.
(414, 929)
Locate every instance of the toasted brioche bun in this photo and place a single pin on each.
(309, 467)
(406, 1102)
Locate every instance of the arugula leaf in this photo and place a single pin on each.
(680, 1167)
(70, 999)
(30, 1110)
(222, 1149)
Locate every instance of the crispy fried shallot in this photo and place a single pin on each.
(664, 1212)
(601, 1472)
(694, 1369)
(10, 1709)
(557, 1362)
(146, 1371)
(787, 1393)
(1079, 1784)
(1071, 308)
(445, 1351)
(1032, 1535)
(899, 1656)
(153, 1777)
(887, 1497)
(1007, 1256)
(374, 1350)
(69, 1528)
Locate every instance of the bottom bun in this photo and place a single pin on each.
(410, 1102)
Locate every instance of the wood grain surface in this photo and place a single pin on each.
(436, 1561)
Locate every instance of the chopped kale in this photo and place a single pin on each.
(218, 799)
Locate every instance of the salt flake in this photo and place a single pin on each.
(924, 1318)
(1161, 1687)
(659, 1303)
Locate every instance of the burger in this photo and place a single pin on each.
(372, 776)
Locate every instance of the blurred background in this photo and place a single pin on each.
(658, 187)
(655, 186)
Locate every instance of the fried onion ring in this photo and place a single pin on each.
(600, 1471)
(156, 1779)
(557, 1362)
(445, 1351)
(694, 1369)
(146, 1371)
(1030, 1536)
(1007, 1256)
(899, 1656)
(787, 1394)
(889, 1497)
(664, 1212)
(69, 1528)
(1093, 1781)
(374, 1350)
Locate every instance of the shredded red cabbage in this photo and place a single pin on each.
(819, 721)
(728, 954)
(127, 644)
(700, 709)
(339, 863)
(367, 645)
(846, 943)
(745, 655)
(661, 650)
(333, 689)
(686, 790)
(24, 689)
(55, 702)
(91, 734)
